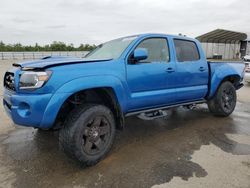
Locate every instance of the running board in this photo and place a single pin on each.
(164, 108)
(190, 106)
(152, 115)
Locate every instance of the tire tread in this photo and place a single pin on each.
(214, 104)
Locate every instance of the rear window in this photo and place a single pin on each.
(186, 50)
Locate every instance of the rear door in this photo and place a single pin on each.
(192, 71)
(150, 81)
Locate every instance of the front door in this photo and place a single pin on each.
(150, 81)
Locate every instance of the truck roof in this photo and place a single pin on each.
(162, 35)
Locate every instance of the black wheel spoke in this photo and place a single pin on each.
(224, 99)
(104, 130)
(95, 135)
(99, 144)
(228, 99)
(86, 131)
(227, 106)
(97, 121)
(88, 145)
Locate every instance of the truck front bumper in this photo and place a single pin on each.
(26, 109)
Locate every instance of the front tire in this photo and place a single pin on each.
(88, 133)
(224, 101)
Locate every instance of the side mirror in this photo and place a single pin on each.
(140, 54)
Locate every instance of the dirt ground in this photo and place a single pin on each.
(185, 149)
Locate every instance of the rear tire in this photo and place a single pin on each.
(88, 133)
(224, 101)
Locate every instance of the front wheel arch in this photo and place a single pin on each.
(102, 95)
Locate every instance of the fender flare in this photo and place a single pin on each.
(80, 84)
(220, 74)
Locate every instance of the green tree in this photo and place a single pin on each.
(2, 46)
(55, 46)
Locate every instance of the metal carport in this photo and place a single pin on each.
(222, 43)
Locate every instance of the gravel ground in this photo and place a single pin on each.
(185, 149)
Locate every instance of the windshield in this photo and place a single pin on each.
(112, 49)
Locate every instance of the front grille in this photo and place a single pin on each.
(9, 81)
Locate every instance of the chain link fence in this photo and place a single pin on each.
(39, 55)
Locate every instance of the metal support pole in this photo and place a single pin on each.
(218, 48)
(229, 56)
(238, 49)
(234, 55)
(206, 46)
(225, 44)
(235, 50)
(246, 48)
(212, 49)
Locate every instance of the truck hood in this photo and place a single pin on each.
(52, 61)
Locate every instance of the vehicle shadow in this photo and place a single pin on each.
(145, 153)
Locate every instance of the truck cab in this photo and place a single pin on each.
(175, 71)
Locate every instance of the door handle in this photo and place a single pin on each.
(170, 69)
(202, 69)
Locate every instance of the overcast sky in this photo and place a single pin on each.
(96, 21)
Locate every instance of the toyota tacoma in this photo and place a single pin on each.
(88, 98)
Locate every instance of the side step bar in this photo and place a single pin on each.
(152, 115)
(152, 110)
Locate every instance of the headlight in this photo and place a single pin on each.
(33, 80)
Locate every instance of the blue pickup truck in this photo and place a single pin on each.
(88, 98)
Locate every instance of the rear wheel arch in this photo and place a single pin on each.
(234, 79)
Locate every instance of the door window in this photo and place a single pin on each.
(186, 50)
(157, 48)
